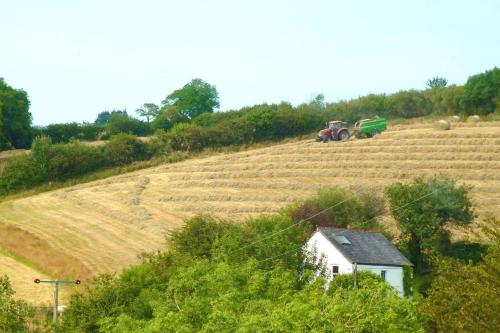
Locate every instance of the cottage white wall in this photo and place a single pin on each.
(393, 275)
(321, 246)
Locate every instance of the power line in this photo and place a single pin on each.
(293, 225)
(363, 223)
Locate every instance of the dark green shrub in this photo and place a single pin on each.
(74, 159)
(186, 137)
(122, 123)
(481, 93)
(16, 316)
(126, 148)
(21, 172)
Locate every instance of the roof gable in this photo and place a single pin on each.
(371, 248)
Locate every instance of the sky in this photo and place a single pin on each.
(78, 58)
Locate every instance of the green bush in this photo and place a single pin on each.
(333, 207)
(481, 93)
(122, 123)
(21, 172)
(16, 316)
(126, 148)
(219, 276)
(73, 159)
(186, 137)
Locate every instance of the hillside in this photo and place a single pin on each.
(102, 226)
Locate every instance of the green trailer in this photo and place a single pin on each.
(369, 127)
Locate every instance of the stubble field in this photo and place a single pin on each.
(102, 226)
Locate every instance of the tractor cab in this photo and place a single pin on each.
(335, 125)
(335, 130)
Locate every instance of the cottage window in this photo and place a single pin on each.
(335, 270)
(382, 274)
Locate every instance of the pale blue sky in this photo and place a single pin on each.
(77, 58)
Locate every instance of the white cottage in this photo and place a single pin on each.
(343, 250)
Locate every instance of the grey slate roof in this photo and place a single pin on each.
(366, 247)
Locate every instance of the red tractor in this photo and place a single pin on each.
(336, 130)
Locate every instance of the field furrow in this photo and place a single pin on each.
(105, 224)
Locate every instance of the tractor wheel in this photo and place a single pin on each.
(344, 135)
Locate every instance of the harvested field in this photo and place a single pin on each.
(105, 224)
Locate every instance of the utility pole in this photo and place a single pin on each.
(56, 292)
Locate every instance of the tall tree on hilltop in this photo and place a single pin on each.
(194, 98)
(482, 93)
(15, 118)
(436, 82)
(148, 111)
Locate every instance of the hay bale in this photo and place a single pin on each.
(455, 118)
(474, 119)
(443, 124)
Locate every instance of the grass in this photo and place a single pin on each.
(38, 254)
(109, 172)
(104, 223)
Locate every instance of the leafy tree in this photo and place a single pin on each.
(423, 209)
(436, 82)
(168, 116)
(482, 92)
(103, 117)
(465, 297)
(65, 132)
(15, 315)
(148, 110)
(194, 98)
(15, 118)
(263, 118)
(445, 100)
(122, 123)
(125, 148)
(333, 207)
(409, 104)
(186, 137)
(217, 277)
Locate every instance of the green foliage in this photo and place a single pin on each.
(57, 162)
(63, 133)
(198, 236)
(465, 297)
(408, 280)
(20, 173)
(445, 100)
(126, 148)
(148, 110)
(423, 208)
(218, 277)
(436, 82)
(15, 118)
(409, 104)
(103, 117)
(186, 137)
(334, 207)
(168, 117)
(122, 123)
(194, 98)
(15, 315)
(481, 94)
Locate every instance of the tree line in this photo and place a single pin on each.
(186, 122)
(220, 276)
(192, 107)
